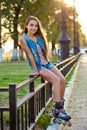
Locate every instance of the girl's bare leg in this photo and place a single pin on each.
(62, 80)
(55, 80)
(58, 86)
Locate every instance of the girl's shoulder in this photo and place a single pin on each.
(24, 35)
(21, 39)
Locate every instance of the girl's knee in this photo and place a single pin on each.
(56, 79)
(63, 80)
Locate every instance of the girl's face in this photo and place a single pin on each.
(32, 26)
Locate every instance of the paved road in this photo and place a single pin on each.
(78, 101)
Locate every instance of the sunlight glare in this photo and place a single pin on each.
(69, 2)
(8, 45)
(82, 18)
(81, 7)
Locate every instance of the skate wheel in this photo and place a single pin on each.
(64, 122)
(59, 121)
(69, 124)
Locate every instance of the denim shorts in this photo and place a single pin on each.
(47, 66)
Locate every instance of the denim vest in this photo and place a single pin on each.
(32, 46)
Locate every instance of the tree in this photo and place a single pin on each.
(11, 12)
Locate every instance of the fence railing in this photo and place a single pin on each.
(24, 113)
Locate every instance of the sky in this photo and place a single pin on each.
(81, 6)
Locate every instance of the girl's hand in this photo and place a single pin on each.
(36, 73)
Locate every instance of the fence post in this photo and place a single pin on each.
(13, 106)
(32, 102)
(43, 94)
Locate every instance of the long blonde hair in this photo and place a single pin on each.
(41, 32)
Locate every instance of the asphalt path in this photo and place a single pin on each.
(77, 106)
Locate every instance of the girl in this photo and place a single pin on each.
(34, 43)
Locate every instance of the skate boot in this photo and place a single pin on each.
(59, 112)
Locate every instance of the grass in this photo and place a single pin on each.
(69, 76)
(13, 72)
(44, 120)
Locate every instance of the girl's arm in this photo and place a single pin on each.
(29, 53)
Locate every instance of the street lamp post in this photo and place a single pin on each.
(64, 39)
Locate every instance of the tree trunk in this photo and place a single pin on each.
(15, 35)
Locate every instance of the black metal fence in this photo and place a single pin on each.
(23, 113)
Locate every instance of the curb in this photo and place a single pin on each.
(70, 85)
